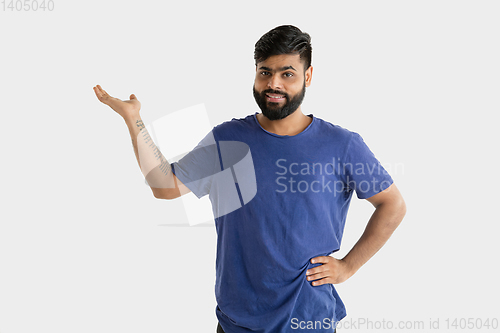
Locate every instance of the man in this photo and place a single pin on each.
(274, 272)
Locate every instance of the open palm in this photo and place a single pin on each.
(126, 109)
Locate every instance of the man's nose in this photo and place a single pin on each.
(275, 83)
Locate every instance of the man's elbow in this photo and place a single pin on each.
(395, 203)
(399, 209)
(163, 193)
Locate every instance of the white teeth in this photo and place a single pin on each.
(275, 96)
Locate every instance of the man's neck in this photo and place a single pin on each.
(291, 125)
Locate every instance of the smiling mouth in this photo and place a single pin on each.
(275, 97)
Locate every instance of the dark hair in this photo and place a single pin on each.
(285, 39)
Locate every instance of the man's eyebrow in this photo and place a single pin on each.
(282, 69)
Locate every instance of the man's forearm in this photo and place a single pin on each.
(380, 227)
(153, 164)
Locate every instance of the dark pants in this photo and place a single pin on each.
(219, 329)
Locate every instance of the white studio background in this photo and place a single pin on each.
(84, 245)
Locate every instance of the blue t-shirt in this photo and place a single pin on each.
(278, 201)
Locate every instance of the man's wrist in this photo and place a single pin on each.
(350, 267)
(134, 121)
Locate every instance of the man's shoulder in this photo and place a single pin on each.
(329, 128)
(235, 124)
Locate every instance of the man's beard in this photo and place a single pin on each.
(271, 110)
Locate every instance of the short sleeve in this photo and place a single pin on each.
(197, 168)
(363, 172)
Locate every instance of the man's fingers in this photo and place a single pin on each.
(321, 259)
(320, 282)
(98, 92)
(103, 92)
(318, 275)
(317, 270)
(102, 95)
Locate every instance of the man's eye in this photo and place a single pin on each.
(288, 74)
(264, 73)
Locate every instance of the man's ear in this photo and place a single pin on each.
(308, 75)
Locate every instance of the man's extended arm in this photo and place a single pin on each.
(153, 164)
(390, 209)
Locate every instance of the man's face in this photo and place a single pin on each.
(280, 85)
